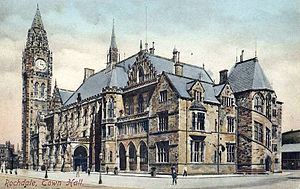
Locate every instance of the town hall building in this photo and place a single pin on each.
(148, 112)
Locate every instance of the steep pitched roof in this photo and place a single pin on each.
(248, 75)
(118, 77)
(180, 84)
(64, 94)
(218, 89)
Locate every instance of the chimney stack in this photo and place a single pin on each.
(242, 56)
(88, 73)
(223, 76)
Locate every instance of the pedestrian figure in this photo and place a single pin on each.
(77, 171)
(184, 171)
(107, 168)
(174, 175)
(16, 172)
(89, 171)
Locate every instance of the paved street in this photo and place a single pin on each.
(290, 179)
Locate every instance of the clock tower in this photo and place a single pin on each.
(36, 76)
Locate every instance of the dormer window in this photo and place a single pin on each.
(198, 96)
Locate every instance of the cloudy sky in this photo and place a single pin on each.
(205, 32)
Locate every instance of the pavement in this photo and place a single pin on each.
(288, 179)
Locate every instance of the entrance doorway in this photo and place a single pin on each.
(80, 159)
(122, 157)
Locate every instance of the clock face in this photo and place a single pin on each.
(40, 65)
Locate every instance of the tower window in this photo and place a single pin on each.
(36, 88)
(42, 90)
(111, 108)
(258, 103)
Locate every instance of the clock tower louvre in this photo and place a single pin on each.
(36, 76)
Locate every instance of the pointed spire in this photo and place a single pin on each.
(37, 21)
(113, 44)
(141, 45)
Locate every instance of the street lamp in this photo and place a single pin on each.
(100, 177)
(46, 169)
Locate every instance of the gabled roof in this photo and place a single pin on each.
(118, 77)
(180, 84)
(248, 75)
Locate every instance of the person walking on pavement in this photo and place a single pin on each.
(89, 171)
(174, 175)
(184, 171)
(107, 168)
(77, 171)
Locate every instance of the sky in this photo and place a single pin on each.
(205, 32)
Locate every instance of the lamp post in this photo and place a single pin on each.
(100, 177)
(46, 169)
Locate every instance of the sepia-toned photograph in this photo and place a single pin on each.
(134, 94)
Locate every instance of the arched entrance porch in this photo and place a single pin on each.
(80, 159)
(122, 156)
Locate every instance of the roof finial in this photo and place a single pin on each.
(141, 45)
(37, 6)
(55, 83)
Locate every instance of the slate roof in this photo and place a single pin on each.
(64, 94)
(290, 148)
(218, 89)
(180, 84)
(118, 77)
(248, 75)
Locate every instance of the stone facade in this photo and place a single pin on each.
(149, 112)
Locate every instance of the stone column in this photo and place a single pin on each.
(138, 163)
(127, 161)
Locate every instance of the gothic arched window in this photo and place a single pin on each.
(110, 108)
(36, 88)
(141, 75)
(140, 104)
(258, 103)
(42, 90)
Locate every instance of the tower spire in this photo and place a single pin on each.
(37, 21)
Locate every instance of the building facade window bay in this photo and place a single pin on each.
(230, 124)
(197, 151)
(163, 121)
(258, 132)
(230, 152)
(162, 149)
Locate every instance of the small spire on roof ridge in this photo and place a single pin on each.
(174, 49)
(113, 43)
(55, 83)
(141, 45)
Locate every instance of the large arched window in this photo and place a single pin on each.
(141, 75)
(110, 108)
(140, 104)
(36, 88)
(42, 89)
(258, 103)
